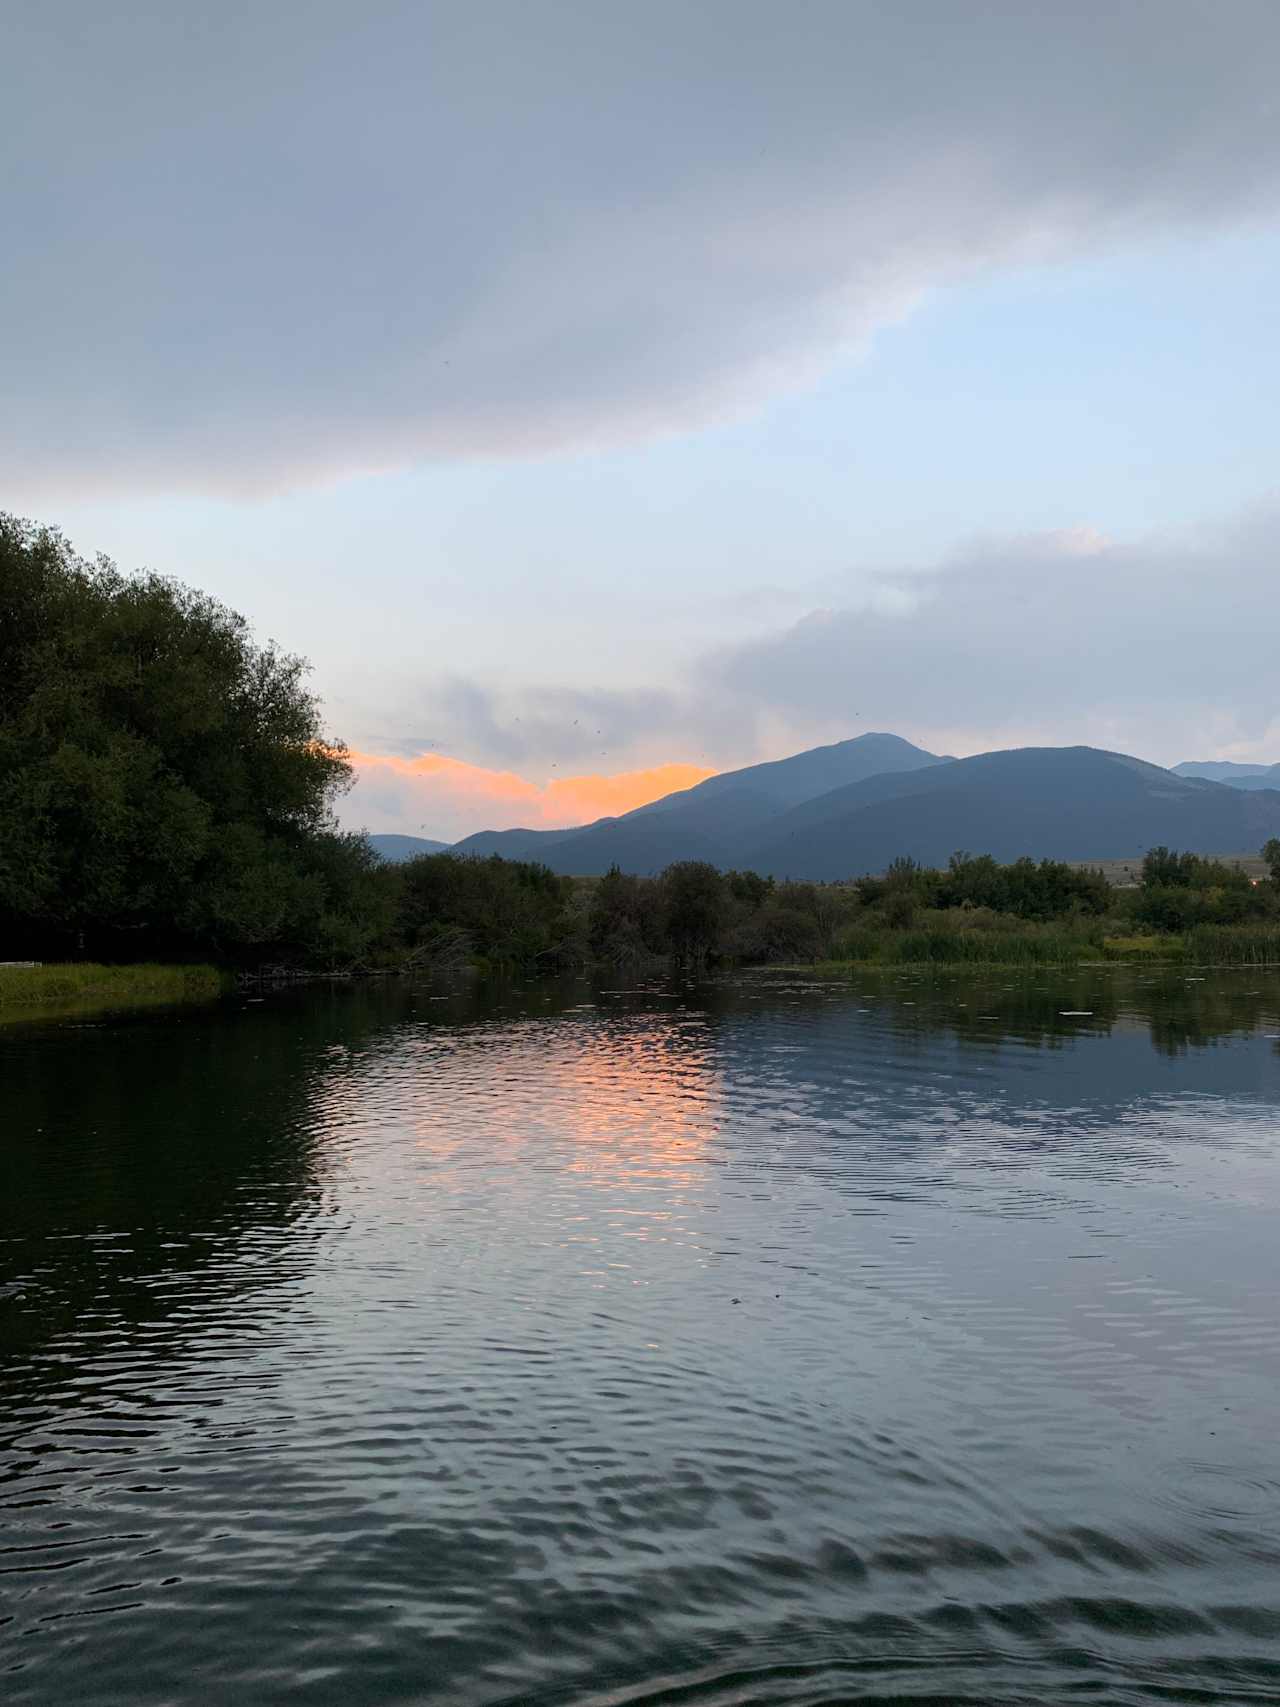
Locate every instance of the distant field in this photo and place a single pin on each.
(1120, 872)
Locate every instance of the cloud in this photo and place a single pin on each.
(267, 246)
(533, 726)
(444, 798)
(1163, 647)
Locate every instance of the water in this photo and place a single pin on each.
(777, 1341)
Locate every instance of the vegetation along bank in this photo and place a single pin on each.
(167, 806)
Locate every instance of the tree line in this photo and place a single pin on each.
(168, 790)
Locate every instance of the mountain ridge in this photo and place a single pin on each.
(1233, 775)
(1069, 803)
(711, 819)
(395, 848)
(853, 806)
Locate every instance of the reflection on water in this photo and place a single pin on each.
(902, 1339)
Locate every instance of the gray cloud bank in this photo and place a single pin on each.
(1164, 648)
(255, 246)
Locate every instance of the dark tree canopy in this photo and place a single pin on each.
(167, 789)
(161, 775)
(508, 912)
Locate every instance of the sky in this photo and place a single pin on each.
(602, 395)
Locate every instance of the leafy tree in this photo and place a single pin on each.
(1180, 890)
(749, 888)
(777, 931)
(509, 912)
(165, 783)
(695, 897)
(1271, 853)
(1050, 890)
(903, 873)
(1163, 866)
(625, 923)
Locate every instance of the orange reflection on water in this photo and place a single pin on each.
(633, 1100)
(640, 1099)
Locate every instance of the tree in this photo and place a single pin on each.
(1164, 868)
(1271, 853)
(696, 898)
(625, 924)
(165, 783)
(509, 912)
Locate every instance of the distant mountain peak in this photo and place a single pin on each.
(714, 818)
(395, 848)
(1248, 777)
(853, 806)
(1069, 803)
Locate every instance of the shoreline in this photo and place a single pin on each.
(54, 991)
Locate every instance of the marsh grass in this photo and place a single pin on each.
(1148, 945)
(1234, 945)
(28, 992)
(938, 944)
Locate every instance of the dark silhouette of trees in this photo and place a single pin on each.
(166, 784)
(695, 898)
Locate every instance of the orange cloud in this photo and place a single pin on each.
(448, 798)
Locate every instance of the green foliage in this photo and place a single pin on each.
(778, 932)
(695, 905)
(903, 874)
(504, 912)
(166, 789)
(25, 990)
(1226, 945)
(165, 783)
(1025, 889)
(945, 938)
(748, 888)
(626, 923)
(1183, 891)
(1150, 945)
(1164, 868)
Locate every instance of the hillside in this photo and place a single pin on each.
(714, 820)
(1235, 776)
(1070, 803)
(396, 848)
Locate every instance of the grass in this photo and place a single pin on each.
(27, 992)
(1149, 945)
(1234, 945)
(1034, 945)
(1055, 945)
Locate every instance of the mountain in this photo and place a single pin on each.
(786, 782)
(852, 807)
(1235, 776)
(397, 848)
(1072, 803)
(515, 844)
(714, 820)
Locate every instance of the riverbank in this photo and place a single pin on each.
(1053, 945)
(31, 992)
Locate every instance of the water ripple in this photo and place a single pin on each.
(775, 1342)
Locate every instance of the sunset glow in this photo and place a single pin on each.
(449, 798)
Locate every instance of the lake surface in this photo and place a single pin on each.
(909, 1339)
